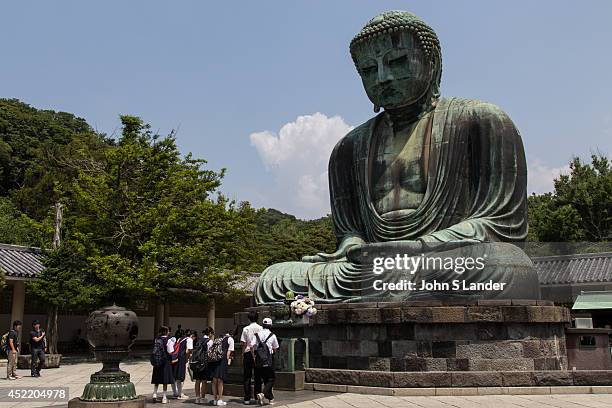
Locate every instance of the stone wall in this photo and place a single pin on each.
(416, 336)
(458, 379)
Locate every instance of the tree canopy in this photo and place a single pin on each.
(579, 209)
(145, 219)
(17, 228)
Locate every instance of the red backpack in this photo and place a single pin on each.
(174, 356)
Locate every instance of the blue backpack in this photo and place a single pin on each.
(158, 355)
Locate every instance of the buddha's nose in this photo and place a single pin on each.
(384, 74)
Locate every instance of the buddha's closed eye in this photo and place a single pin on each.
(368, 70)
(402, 60)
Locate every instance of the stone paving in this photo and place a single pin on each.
(75, 376)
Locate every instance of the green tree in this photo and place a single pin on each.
(147, 220)
(17, 228)
(65, 284)
(580, 208)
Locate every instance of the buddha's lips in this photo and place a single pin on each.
(388, 92)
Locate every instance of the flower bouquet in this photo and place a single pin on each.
(303, 307)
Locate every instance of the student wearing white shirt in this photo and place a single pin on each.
(248, 362)
(266, 374)
(179, 367)
(171, 342)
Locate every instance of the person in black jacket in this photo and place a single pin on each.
(37, 348)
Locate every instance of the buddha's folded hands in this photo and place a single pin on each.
(364, 254)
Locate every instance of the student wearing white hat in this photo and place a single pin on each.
(265, 361)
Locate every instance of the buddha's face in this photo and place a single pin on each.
(395, 71)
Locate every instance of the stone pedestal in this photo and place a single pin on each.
(24, 361)
(485, 335)
(139, 402)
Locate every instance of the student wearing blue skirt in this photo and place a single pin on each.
(218, 369)
(163, 374)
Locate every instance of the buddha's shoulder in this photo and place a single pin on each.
(473, 109)
(355, 135)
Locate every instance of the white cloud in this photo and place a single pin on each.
(298, 157)
(540, 177)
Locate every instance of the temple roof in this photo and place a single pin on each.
(574, 268)
(20, 262)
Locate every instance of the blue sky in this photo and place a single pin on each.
(229, 75)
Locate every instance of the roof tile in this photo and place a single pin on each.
(21, 262)
(575, 268)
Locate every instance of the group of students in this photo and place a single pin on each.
(207, 359)
(11, 346)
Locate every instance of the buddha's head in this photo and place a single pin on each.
(398, 58)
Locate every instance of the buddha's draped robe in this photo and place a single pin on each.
(476, 193)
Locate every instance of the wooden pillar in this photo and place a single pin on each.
(211, 313)
(166, 307)
(158, 320)
(18, 304)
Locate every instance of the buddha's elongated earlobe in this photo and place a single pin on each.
(376, 108)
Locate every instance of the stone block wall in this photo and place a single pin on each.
(493, 335)
(459, 379)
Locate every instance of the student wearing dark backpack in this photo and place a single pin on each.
(264, 346)
(199, 366)
(161, 361)
(220, 351)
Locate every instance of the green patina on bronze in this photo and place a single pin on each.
(111, 331)
(444, 177)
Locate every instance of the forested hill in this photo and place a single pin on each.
(33, 152)
(283, 237)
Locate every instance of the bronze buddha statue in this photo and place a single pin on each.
(427, 177)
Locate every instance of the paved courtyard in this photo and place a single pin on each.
(75, 376)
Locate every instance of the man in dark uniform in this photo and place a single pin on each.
(37, 348)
